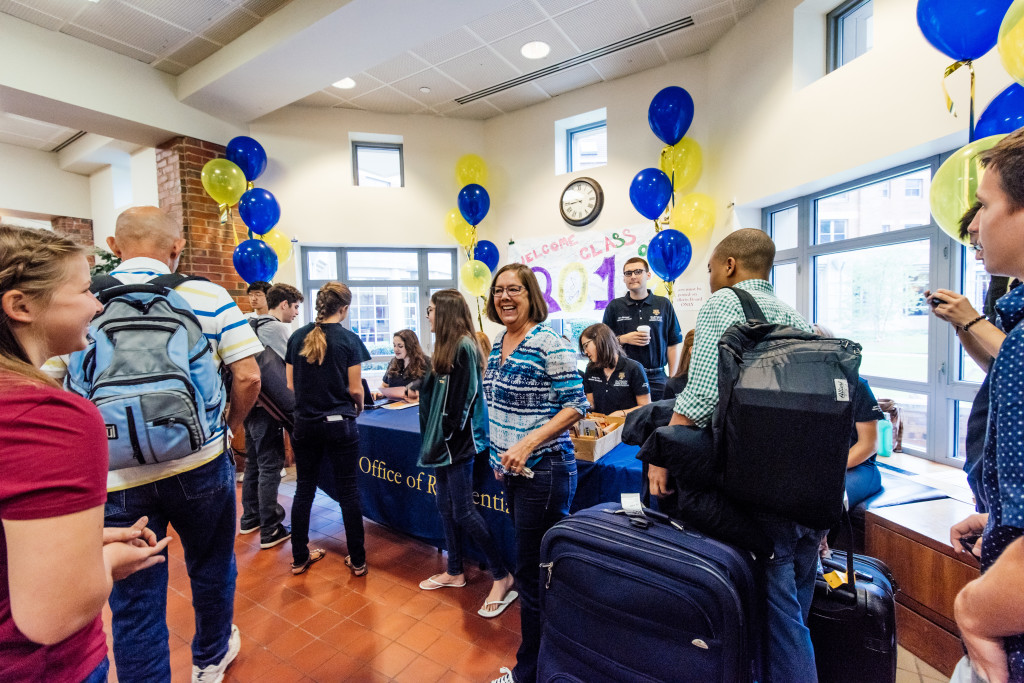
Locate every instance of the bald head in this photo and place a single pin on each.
(147, 231)
(752, 249)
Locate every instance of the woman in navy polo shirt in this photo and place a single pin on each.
(613, 382)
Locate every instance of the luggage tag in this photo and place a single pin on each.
(835, 578)
(634, 509)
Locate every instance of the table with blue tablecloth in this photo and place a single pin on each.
(398, 493)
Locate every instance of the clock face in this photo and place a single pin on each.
(581, 201)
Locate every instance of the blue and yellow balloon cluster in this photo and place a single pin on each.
(229, 181)
(965, 31)
(653, 190)
(461, 223)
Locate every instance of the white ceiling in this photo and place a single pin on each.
(174, 36)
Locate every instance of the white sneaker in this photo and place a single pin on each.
(214, 673)
(506, 676)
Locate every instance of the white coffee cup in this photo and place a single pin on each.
(646, 329)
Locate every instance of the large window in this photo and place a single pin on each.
(849, 32)
(391, 289)
(858, 258)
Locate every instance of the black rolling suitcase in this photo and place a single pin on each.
(643, 599)
(853, 627)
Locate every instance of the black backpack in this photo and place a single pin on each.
(784, 417)
(275, 396)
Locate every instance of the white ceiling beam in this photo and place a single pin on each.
(306, 46)
(53, 77)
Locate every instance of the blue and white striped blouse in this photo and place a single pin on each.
(534, 383)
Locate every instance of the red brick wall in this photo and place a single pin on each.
(179, 166)
(78, 230)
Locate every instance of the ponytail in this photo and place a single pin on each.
(331, 298)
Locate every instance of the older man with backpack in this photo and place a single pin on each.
(152, 368)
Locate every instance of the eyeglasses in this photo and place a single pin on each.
(512, 290)
(430, 310)
(585, 344)
(634, 273)
(975, 248)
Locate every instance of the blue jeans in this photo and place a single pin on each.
(99, 674)
(862, 482)
(536, 505)
(338, 443)
(200, 504)
(459, 514)
(790, 589)
(264, 450)
(656, 380)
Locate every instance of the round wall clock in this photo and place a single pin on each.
(581, 202)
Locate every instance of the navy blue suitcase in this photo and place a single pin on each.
(625, 599)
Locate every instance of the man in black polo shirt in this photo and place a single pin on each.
(653, 349)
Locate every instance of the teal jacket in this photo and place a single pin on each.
(453, 413)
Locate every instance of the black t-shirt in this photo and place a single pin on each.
(865, 408)
(397, 375)
(626, 314)
(322, 390)
(673, 387)
(619, 391)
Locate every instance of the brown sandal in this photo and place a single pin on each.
(356, 571)
(314, 556)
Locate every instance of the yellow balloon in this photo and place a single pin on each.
(956, 183)
(280, 243)
(224, 181)
(1011, 41)
(657, 285)
(470, 169)
(455, 225)
(465, 234)
(476, 277)
(686, 161)
(694, 216)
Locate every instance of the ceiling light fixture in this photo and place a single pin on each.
(536, 49)
(425, 90)
(344, 84)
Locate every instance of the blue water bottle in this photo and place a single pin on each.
(884, 444)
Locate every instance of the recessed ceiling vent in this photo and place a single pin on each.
(653, 33)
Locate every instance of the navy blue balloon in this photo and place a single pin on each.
(1004, 114)
(259, 210)
(249, 155)
(670, 114)
(474, 203)
(669, 254)
(255, 260)
(487, 253)
(961, 29)
(650, 192)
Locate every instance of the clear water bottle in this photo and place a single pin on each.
(884, 444)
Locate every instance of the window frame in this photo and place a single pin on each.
(571, 132)
(423, 282)
(834, 32)
(943, 388)
(362, 144)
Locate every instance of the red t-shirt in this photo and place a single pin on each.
(53, 460)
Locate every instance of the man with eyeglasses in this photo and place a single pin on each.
(657, 345)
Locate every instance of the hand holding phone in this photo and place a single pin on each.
(968, 542)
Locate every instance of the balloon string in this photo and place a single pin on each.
(479, 316)
(970, 128)
(950, 70)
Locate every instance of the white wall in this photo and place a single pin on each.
(310, 174)
(31, 181)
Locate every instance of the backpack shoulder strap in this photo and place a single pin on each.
(170, 280)
(750, 308)
(101, 282)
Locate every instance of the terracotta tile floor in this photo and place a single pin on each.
(327, 625)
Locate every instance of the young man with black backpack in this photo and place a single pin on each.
(743, 260)
(264, 438)
(152, 368)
